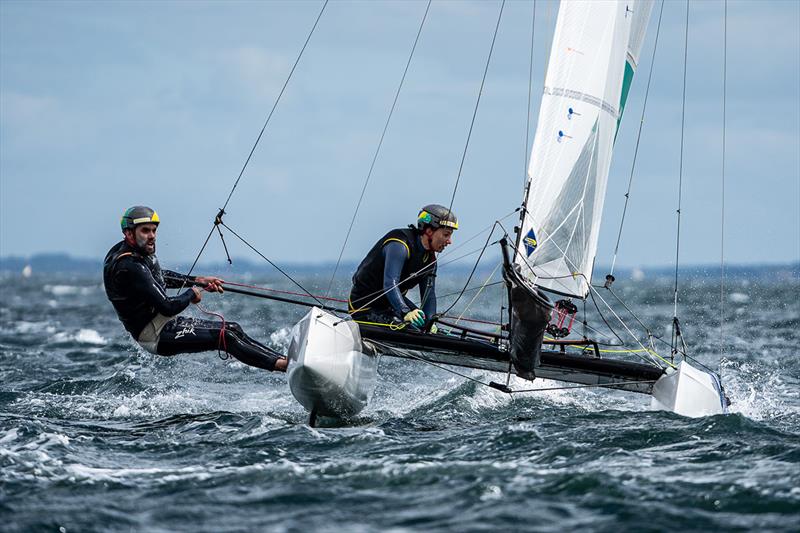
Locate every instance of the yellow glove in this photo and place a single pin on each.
(415, 317)
(434, 329)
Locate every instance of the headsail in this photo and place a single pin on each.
(595, 49)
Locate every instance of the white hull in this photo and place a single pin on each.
(330, 375)
(328, 372)
(689, 391)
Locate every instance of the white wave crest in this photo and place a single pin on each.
(83, 336)
(738, 297)
(281, 338)
(25, 327)
(758, 391)
(68, 290)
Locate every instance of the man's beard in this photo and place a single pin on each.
(142, 245)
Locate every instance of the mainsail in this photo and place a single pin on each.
(594, 54)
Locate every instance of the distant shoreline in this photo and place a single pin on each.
(65, 263)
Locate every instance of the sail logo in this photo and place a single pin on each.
(530, 242)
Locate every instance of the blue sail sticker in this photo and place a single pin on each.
(530, 242)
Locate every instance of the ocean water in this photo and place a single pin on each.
(96, 435)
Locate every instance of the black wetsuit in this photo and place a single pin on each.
(396, 263)
(136, 287)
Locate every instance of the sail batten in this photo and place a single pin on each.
(594, 53)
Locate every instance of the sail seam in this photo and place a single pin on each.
(583, 97)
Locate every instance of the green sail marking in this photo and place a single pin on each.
(626, 86)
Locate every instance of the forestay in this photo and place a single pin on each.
(595, 49)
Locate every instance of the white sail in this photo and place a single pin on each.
(594, 53)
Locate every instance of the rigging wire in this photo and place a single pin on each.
(490, 227)
(676, 332)
(477, 103)
(258, 139)
(474, 268)
(526, 185)
(638, 140)
(530, 91)
(477, 294)
(610, 385)
(379, 293)
(722, 216)
(624, 325)
(275, 105)
(603, 318)
(378, 149)
(473, 288)
(278, 291)
(644, 326)
(265, 258)
(492, 385)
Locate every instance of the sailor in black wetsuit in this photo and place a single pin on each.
(135, 285)
(402, 259)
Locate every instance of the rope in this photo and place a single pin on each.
(452, 249)
(526, 186)
(597, 385)
(474, 268)
(477, 293)
(530, 91)
(630, 311)
(267, 289)
(626, 326)
(477, 103)
(275, 105)
(584, 349)
(222, 345)
(393, 327)
(722, 215)
(603, 318)
(378, 149)
(379, 293)
(475, 288)
(279, 269)
(675, 324)
(411, 355)
(258, 139)
(438, 262)
(638, 139)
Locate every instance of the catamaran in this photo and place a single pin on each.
(595, 51)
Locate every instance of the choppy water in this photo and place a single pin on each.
(96, 435)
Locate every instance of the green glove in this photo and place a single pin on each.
(416, 317)
(434, 329)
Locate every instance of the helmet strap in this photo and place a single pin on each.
(427, 240)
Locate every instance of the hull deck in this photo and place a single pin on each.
(485, 355)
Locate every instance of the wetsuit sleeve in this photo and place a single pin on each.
(394, 257)
(428, 295)
(144, 286)
(175, 280)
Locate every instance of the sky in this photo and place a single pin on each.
(104, 105)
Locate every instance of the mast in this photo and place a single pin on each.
(593, 58)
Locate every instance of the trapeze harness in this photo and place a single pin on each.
(396, 263)
(136, 287)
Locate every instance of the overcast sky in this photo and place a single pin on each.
(104, 105)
